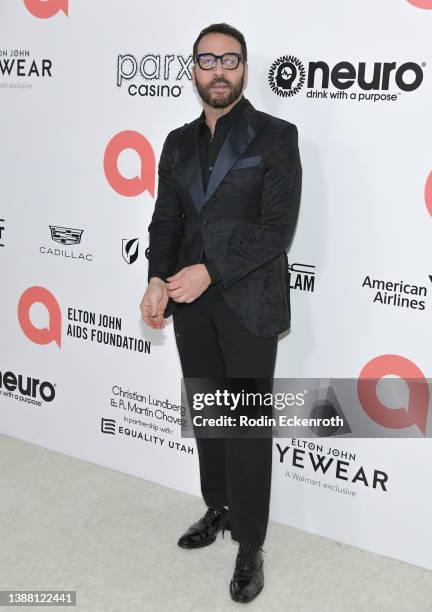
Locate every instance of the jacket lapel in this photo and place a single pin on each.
(240, 136)
(190, 162)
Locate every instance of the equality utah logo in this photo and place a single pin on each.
(362, 81)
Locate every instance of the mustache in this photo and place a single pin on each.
(219, 82)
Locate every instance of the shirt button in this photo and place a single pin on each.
(210, 167)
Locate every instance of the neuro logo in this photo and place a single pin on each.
(130, 248)
(137, 185)
(45, 335)
(428, 194)
(44, 9)
(401, 417)
(287, 76)
(23, 388)
(423, 4)
(367, 81)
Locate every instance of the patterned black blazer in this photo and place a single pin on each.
(245, 220)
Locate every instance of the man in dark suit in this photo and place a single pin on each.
(228, 201)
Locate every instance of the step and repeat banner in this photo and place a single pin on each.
(88, 92)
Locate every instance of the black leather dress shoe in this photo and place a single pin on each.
(248, 578)
(204, 531)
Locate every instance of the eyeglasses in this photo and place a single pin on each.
(207, 61)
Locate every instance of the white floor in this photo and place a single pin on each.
(69, 524)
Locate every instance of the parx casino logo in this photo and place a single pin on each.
(155, 75)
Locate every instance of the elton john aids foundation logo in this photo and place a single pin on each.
(135, 185)
(40, 335)
(395, 417)
(423, 4)
(44, 9)
(428, 194)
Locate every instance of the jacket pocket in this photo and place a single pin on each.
(246, 162)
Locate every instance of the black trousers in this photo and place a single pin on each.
(234, 472)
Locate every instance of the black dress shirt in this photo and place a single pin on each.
(209, 149)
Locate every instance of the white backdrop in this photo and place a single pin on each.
(79, 144)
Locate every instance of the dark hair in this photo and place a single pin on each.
(222, 28)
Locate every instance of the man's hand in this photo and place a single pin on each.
(188, 283)
(154, 302)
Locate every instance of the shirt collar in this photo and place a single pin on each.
(231, 115)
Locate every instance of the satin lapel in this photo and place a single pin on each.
(244, 131)
(190, 162)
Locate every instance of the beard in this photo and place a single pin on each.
(217, 100)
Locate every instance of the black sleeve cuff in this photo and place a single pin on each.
(213, 271)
